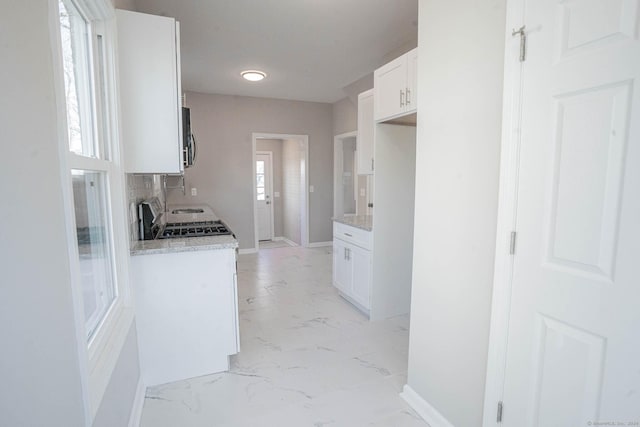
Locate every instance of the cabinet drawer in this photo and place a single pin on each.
(356, 236)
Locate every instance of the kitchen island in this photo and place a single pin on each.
(186, 301)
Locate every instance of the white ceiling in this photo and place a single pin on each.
(310, 49)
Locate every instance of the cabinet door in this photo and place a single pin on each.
(361, 266)
(149, 93)
(365, 133)
(389, 88)
(411, 100)
(341, 267)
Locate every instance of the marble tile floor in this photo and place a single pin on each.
(308, 358)
(272, 244)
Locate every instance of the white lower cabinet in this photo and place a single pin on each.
(186, 313)
(352, 265)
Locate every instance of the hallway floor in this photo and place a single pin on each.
(308, 358)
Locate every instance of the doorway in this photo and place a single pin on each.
(264, 193)
(281, 185)
(352, 193)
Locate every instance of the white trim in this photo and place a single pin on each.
(289, 242)
(247, 251)
(98, 358)
(320, 244)
(507, 204)
(304, 139)
(284, 239)
(424, 408)
(138, 404)
(67, 195)
(271, 208)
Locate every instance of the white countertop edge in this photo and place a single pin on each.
(187, 244)
(364, 222)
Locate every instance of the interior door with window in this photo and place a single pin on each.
(263, 194)
(573, 352)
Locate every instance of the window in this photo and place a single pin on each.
(82, 53)
(93, 179)
(260, 179)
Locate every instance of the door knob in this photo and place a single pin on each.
(268, 203)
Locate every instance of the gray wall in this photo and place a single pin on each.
(39, 363)
(345, 116)
(275, 146)
(223, 174)
(458, 142)
(291, 189)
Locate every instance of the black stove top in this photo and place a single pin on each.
(194, 229)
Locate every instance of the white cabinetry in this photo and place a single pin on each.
(395, 87)
(352, 264)
(150, 92)
(365, 133)
(186, 313)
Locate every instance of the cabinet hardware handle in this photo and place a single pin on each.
(401, 98)
(408, 96)
(347, 234)
(371, 164)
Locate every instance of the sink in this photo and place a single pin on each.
(187, 211)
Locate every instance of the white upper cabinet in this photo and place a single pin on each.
(150, 92)
(365, 133)
(395, 87)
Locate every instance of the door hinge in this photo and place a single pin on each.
(523, 42)
(512, 243)
(499, 417)
(371, 164)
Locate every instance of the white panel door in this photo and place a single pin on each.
(361, 270)
(263, 194)
(573, 355)
(342, 271)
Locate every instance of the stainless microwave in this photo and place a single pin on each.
(188, 139)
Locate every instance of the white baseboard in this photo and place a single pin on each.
(320, 244)
(247, 251)
(284, 239)
(289, 242)
(424, 408)
(138, 404)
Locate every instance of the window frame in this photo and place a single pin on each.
(99, 354)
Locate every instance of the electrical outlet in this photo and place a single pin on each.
(363, 192)
(311, 189)
(194, 191)
(276, 194)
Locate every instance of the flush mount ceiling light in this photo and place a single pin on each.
(253, 75)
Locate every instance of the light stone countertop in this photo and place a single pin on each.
(364, 222)
(185, 244)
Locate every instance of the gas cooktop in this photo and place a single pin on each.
(194, 229)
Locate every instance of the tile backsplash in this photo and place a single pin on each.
(139, 188)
